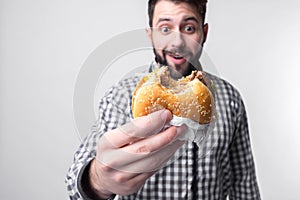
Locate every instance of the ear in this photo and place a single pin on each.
(205, 32)
(149, 33)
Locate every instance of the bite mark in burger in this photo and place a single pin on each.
(188, 97)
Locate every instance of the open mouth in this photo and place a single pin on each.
(176, 58)
(175, 55)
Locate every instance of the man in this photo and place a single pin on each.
(128, 158)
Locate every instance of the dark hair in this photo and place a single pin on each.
(199, 4)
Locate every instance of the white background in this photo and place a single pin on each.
(43, 44)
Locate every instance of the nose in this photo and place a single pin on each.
(177, 40)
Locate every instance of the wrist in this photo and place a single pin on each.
(88, 184)
(94, 182)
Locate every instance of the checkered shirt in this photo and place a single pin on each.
(221, 168)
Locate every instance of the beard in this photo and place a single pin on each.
(174, 72)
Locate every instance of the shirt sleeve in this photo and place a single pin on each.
(113, 111)
(244, 182)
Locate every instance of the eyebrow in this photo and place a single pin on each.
(191, 19)
(165, 19)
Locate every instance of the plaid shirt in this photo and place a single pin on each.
(221, 167)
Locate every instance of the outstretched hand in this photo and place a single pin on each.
(129, 155)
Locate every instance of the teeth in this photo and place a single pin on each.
(177, 57)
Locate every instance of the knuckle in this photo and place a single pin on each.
(120, 178)
(142, 149)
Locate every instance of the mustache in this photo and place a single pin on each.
(171, 51)
(195, 64)
(176, 52)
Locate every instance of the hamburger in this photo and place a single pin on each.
(188, 97)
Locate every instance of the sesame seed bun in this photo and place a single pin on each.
(187, 97)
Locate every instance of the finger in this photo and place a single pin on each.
(147, 125)
(120, 173)
(133, 162)
(157, 141)
(151, 162)
(139, 128)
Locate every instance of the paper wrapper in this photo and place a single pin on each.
(196, 132)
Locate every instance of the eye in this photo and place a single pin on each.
(189, 29)
(164, 29)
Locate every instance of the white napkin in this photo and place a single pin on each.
(196, 132)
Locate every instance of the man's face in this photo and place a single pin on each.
(177, 36)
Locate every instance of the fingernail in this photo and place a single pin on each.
(165, 115)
